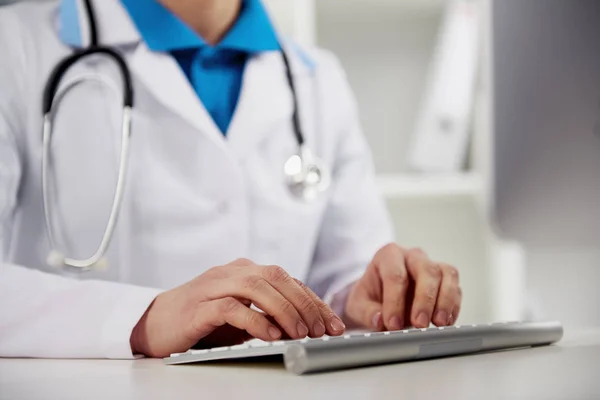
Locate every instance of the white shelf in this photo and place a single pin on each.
(395, 186)
(408, 5)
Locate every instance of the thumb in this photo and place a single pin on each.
(365, 312)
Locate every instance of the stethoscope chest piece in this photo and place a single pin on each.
(306, 175)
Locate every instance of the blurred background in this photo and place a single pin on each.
(484, 120)
(483, 117)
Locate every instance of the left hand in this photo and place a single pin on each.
(404, 288)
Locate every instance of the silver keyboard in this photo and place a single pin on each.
(363, 349)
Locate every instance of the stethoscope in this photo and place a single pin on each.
(305, 174)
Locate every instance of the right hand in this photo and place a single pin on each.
(220, 298)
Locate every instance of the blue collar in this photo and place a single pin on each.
(162, 31)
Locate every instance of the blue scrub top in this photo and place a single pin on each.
(215, 72)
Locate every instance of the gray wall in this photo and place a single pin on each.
(547, 102)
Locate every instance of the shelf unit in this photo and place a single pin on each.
(386, 47)
(429, 186)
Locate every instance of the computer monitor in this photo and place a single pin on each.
(546, 68)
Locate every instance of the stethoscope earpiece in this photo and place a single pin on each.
(55, 259)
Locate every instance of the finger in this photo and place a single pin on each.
(295, 294)
(244, 284)
(394, 276)
(428, 277)
(366, 312)
(362, 308)
(334, 324)
(231, 311)
(456, 309)
(448, 296)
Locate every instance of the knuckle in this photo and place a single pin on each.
(229, 306)
(430, 296)
(416, 252)
(253, 282)
(307, 305)
(414, 255)
(301, 284)
(390, 248)
(241, 261)
(327, 313)
(399, 278)
(286, 308)
(275, 273)
(434, 270)
(252, 319)
(453, 271)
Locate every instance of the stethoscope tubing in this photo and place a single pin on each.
(305, 173)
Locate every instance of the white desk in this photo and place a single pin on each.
(568, 370)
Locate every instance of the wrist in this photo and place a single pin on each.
(138, 339)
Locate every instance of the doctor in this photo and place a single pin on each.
(235, 163)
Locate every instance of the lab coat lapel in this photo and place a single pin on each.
(162, 76)
(265, 103)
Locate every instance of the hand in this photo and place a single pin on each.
(215, 306)
(402, 288)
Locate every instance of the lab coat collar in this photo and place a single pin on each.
(265, 105)
(115, 27)
(265, 100)
(252, 32)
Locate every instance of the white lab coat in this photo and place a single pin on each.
(194, 198)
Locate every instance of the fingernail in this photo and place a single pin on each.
(274, 332)
(422, 320)
(441, 317)
(337, 325)
(319, 328)
(376, 320)
(395, 324)
(302, 329)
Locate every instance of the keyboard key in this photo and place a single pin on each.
(259, 344)
(217, 349)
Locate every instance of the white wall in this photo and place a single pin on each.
(385, 49)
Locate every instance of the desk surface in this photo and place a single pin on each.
(570, 369)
